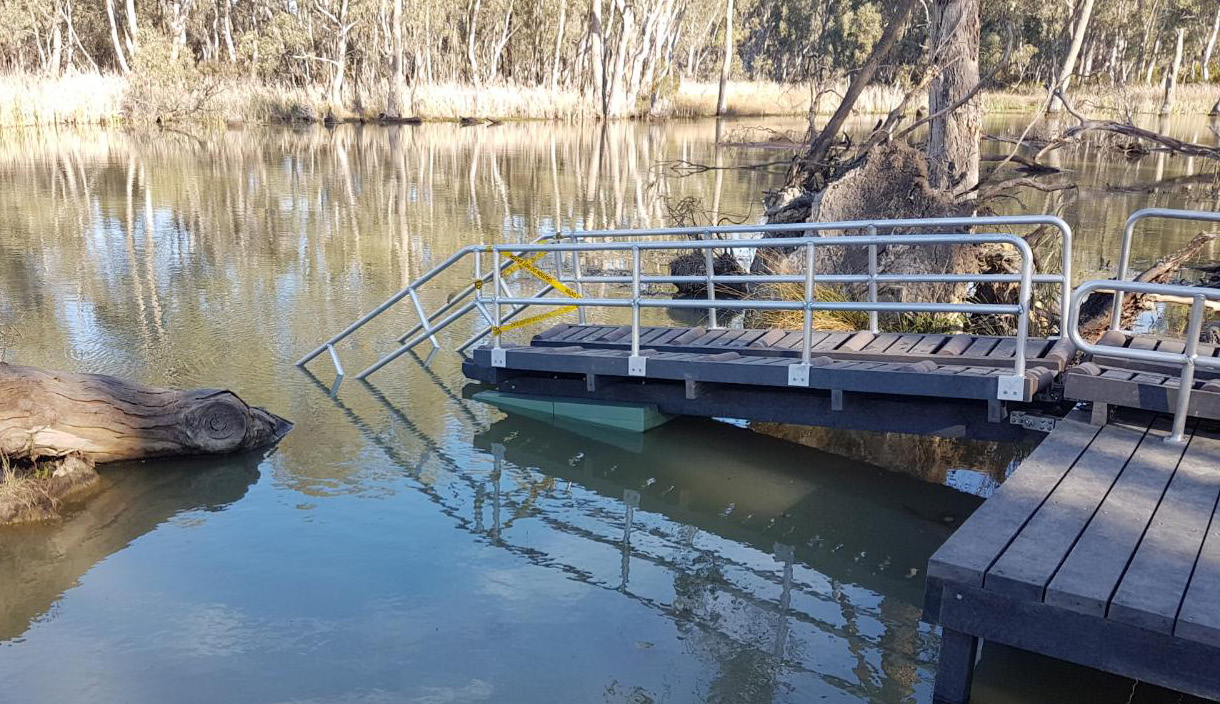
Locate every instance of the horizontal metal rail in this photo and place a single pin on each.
(1124, 257)
(1187, 360)
(1009, 387)
(458, 305)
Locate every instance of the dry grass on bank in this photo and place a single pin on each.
(85, 98)
(93, 98)
(1109, 101)
(843, 320)
(36, 491)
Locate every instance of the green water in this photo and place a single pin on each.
(404, 544)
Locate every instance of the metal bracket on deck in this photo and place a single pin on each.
(798, 375)
(637, 365)
(1010, 388)
(498, 357)
(1033, 421)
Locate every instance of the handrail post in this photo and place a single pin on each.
(798, 374)
(498, 357)
(1186, 381)
(709, 271)
(807, 343)
(423, 319)
(1116, 313)
(872, 282)
(636, 365)
(576, 274)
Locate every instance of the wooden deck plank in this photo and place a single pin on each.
(968, 554)
(956, 345)
(1151, 591)
(749, 338)
(831, 341)
(552, 331)
(710, 337)
(1093, 568)
(882, 342)
(668, 337)
(728, 339)
(1199, 618)
(981, 347)
(1118, 387)
(1029, 562)
(769, 338)
(930, 344)
(1007, 347)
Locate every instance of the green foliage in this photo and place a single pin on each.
(170, 85)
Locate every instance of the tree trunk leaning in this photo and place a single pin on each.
(54, 414)
(1069, 62)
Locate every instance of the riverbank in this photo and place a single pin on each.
(97, 98)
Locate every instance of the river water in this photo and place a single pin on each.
(404, 543)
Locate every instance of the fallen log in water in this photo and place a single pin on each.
(1095, 311)
(54, 426)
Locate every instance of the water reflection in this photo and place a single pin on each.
(403, 543)
(762, 562)
(39, 563)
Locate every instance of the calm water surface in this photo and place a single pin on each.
(404, 544)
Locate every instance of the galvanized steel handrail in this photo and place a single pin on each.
(1124, 258)
(430, 323)
(1188, 359)
(1009, 387)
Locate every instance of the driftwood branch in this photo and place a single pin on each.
(1095, 310)
(102, 418)
(1086, 124)
(1022, 182)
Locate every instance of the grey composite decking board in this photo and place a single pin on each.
(1150, 342)
(1156, 580)
(946, 349)
(1117, 387)
(1031, 559)
(1092, 571)
(970, 551)
(1199, 618)
(888, 378)
(1103, 644)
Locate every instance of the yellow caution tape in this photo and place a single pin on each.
(527, 264)
(539, 273)
(531, 320)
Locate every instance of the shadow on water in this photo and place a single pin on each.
(38, 563)
(762, 559)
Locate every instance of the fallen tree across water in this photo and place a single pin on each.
(1095, 311)
(55, 426)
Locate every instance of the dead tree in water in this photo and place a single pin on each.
(103, 419)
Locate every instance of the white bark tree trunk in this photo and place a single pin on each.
(114, 38)
(727, 67)
(1069, 61)
(953, 138)
(1171, 79)
(396, 101)
(1210, 47)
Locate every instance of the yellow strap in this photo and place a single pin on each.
(532, 319)
(518, 262)
(528, 265)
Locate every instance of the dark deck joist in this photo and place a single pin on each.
(1136, 388)
(1103, 548)
(964, 350)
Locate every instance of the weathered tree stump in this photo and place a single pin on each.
(54, 414)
